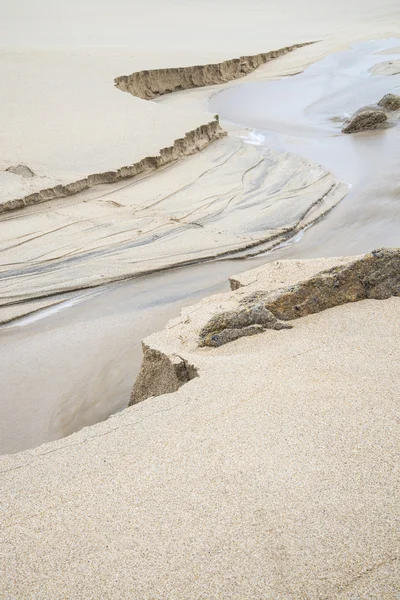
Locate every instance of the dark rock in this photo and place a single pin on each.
(374, 276)
(250, 318)
(366, 119)
(390, 102)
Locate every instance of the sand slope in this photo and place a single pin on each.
(272, 474)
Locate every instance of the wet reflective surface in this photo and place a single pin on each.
(71, 367)
(304, 114)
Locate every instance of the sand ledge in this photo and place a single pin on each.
(158, 82)
(221, 319)
(194, 141)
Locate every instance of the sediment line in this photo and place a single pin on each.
(194, 141)
(158, 82)
(246, 251)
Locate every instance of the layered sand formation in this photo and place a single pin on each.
(69, 128)
(192, 142)
(183, 216)
(157, 82)
(96, 230)
(102, 137)
(270, 474)
(257, 304)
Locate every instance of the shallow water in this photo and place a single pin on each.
(63, 369)
(66, 368)
(304, 114)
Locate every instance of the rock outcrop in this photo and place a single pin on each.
(251, 318)
(157, 82)
(264, 298)
(390, 102)
(374, 276)
(366, 119)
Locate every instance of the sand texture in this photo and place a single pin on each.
(273, 296)
(390, 67)
(271, 474)
(84, 151)
(263, 468)
(121, 230)
(158, 82)
(63, 119)
(192, 142)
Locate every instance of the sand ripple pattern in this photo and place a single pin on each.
(247, 199)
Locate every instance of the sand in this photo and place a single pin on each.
(136, 228)
(391, 67)
(232, 197)
(272, 474)
(64, 120)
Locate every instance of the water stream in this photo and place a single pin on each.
(304, 114)
(66, 368)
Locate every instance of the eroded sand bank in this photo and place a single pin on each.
(236, 198)
(231, 197)
(280, 455)
(272, 473)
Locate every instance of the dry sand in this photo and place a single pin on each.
(64, 119)
(271, 475)
(274, 473)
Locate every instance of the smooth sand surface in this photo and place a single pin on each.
(187, 30)
(175, 216)
(271, 475)
(64, 119)
(390, 67)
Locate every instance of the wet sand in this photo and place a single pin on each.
(76, 365)
(303, 114)
(227, 198)
(88, 354)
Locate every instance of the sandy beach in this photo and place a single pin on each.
(102, 199)
(185, 228)
(270, 474)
